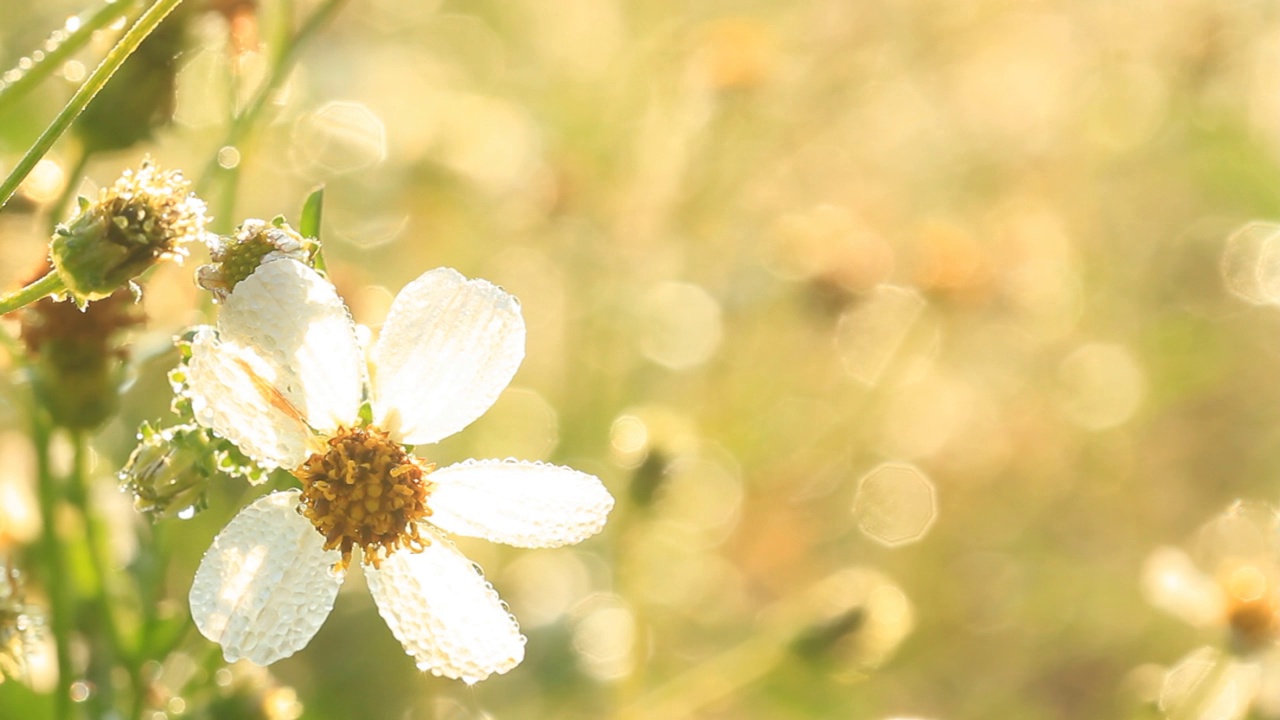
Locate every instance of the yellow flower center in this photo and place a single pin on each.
(366, 492)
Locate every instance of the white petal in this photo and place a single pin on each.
(526, 504)
(265, 586)
(448, 348)
(444, 613)
(297, 324)
(229, 393)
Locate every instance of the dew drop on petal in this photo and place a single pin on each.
(895, 505)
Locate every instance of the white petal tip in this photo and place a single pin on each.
(523, 504)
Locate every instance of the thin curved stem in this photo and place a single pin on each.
(244, 123)
(38, 290)
(60, 597)
(73, 184)
(129, 42)
(52, 59)
(100, 558)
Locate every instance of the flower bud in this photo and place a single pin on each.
(76, 356)
(255, 243)
(162, 473)
(147, 215)
(169, 471)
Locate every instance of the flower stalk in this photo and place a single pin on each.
(146, 23)
(38, 290)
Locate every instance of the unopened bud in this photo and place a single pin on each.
(255, 243)
(147, 215)
(164, 472)
(76, 355)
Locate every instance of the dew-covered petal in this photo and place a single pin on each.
(230, 388)
(525, 504)
(265, 586)
(444, 613)
(449, 347)
(295, 321)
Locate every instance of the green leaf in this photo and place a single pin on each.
(309, 224)
(309, 227)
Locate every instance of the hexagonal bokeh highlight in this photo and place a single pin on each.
(896, 504)
(337, 138)
(1251, 263)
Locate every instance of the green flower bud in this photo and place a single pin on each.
(254, 243)
(147, 215)
(76, 356)
(165, 472)
(169, 472)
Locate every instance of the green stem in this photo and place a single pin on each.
(103, 566)
(53, 59)
(56, 583)
(38, 290)
(243, 124)
(60, 205)
(112, 62)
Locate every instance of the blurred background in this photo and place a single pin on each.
(904, 332)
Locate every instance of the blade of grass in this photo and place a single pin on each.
(129, 42)
(52, 59)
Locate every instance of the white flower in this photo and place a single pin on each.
(283, 378)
